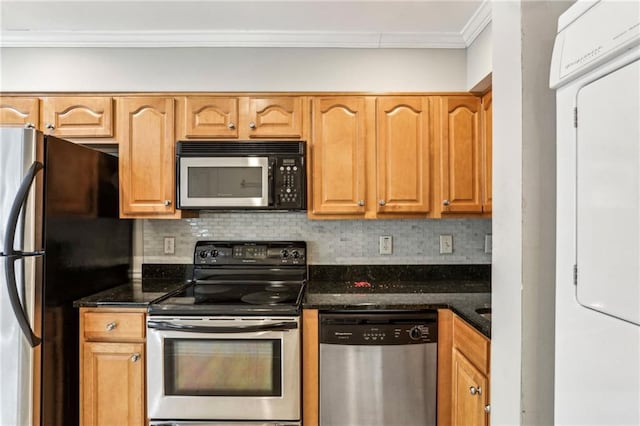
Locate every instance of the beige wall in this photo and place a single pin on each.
(231, 69)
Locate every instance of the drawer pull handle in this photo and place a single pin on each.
(111, 326)
(475, 391)
(135, 357)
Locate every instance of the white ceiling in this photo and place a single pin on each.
(289, 23)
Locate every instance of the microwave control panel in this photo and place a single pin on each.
(289, 182)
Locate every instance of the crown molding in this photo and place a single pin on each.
(478, 22)
(229, 39)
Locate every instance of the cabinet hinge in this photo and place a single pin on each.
(575, 117)
(575, 274)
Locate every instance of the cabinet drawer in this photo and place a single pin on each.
(472, 344)
(113, 326)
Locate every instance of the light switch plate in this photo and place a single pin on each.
(169, 245)
(446, 244)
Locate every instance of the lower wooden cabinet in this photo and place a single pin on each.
(112, 367)
(463, 373)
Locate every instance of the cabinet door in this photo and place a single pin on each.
(78, 116)
(338, 155)
(460, 155)
(147, 156)
(208, 117)
(487, 152)
(19, 111)
(403, 155)
(112, 384)
(277, 117)
(470, 393)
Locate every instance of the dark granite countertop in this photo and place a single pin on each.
(132, 294)
(461, 289)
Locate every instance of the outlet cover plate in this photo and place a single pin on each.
(386, 244)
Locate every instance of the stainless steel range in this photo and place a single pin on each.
(225, 349)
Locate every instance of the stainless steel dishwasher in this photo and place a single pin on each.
(378, 368)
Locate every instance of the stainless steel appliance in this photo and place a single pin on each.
(226, 347)
(61, 239)
(378, 368)
(262, 175)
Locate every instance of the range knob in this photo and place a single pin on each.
(295, 254)
(203, 254)
(415, 333)
(214, 253)
(284, 254)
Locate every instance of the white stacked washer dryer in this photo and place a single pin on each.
(596, 72)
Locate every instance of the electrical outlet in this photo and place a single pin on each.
(169, 245)
(386, 244)
(488, 243)
(446, 244)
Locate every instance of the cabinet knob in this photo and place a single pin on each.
(50, 126)
(475, 391)
(111, 326)
(445, 203)
(361, 203)
(382, 202)
(252, 125)
(167, 202)
(487, 409)
(135, 357)
(29, 126)
(231, 125)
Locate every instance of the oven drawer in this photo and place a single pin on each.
(113, 326)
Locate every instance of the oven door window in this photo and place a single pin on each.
(223, 367)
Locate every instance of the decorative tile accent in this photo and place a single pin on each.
(342, 242)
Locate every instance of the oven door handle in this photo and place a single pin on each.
(276, 326)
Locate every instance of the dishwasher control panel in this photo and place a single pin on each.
(378, 329)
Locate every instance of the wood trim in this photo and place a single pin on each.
(445, 366)
(310, 368)
(486, 118)
(235, 94)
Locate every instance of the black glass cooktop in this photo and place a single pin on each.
(241, 277)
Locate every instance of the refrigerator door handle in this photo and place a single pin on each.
(10, 255)
(16, 207)
(16, 305)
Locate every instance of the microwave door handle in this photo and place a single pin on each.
(166, 325)
(272, 183)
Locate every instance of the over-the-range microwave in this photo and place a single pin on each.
(241, 175)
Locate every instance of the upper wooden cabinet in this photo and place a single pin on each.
(342, 129)
(19, 111)
(465, 155)
(460, 156)
(216, 117)
(487, 152)
(63, 116)
(370, 157)
(78, 116)
(147, 156)
(403, 155)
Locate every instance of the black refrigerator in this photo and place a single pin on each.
(60, 239)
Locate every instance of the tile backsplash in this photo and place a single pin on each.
(342, 242)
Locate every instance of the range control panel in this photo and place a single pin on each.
(378, 329)
(250, 253)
